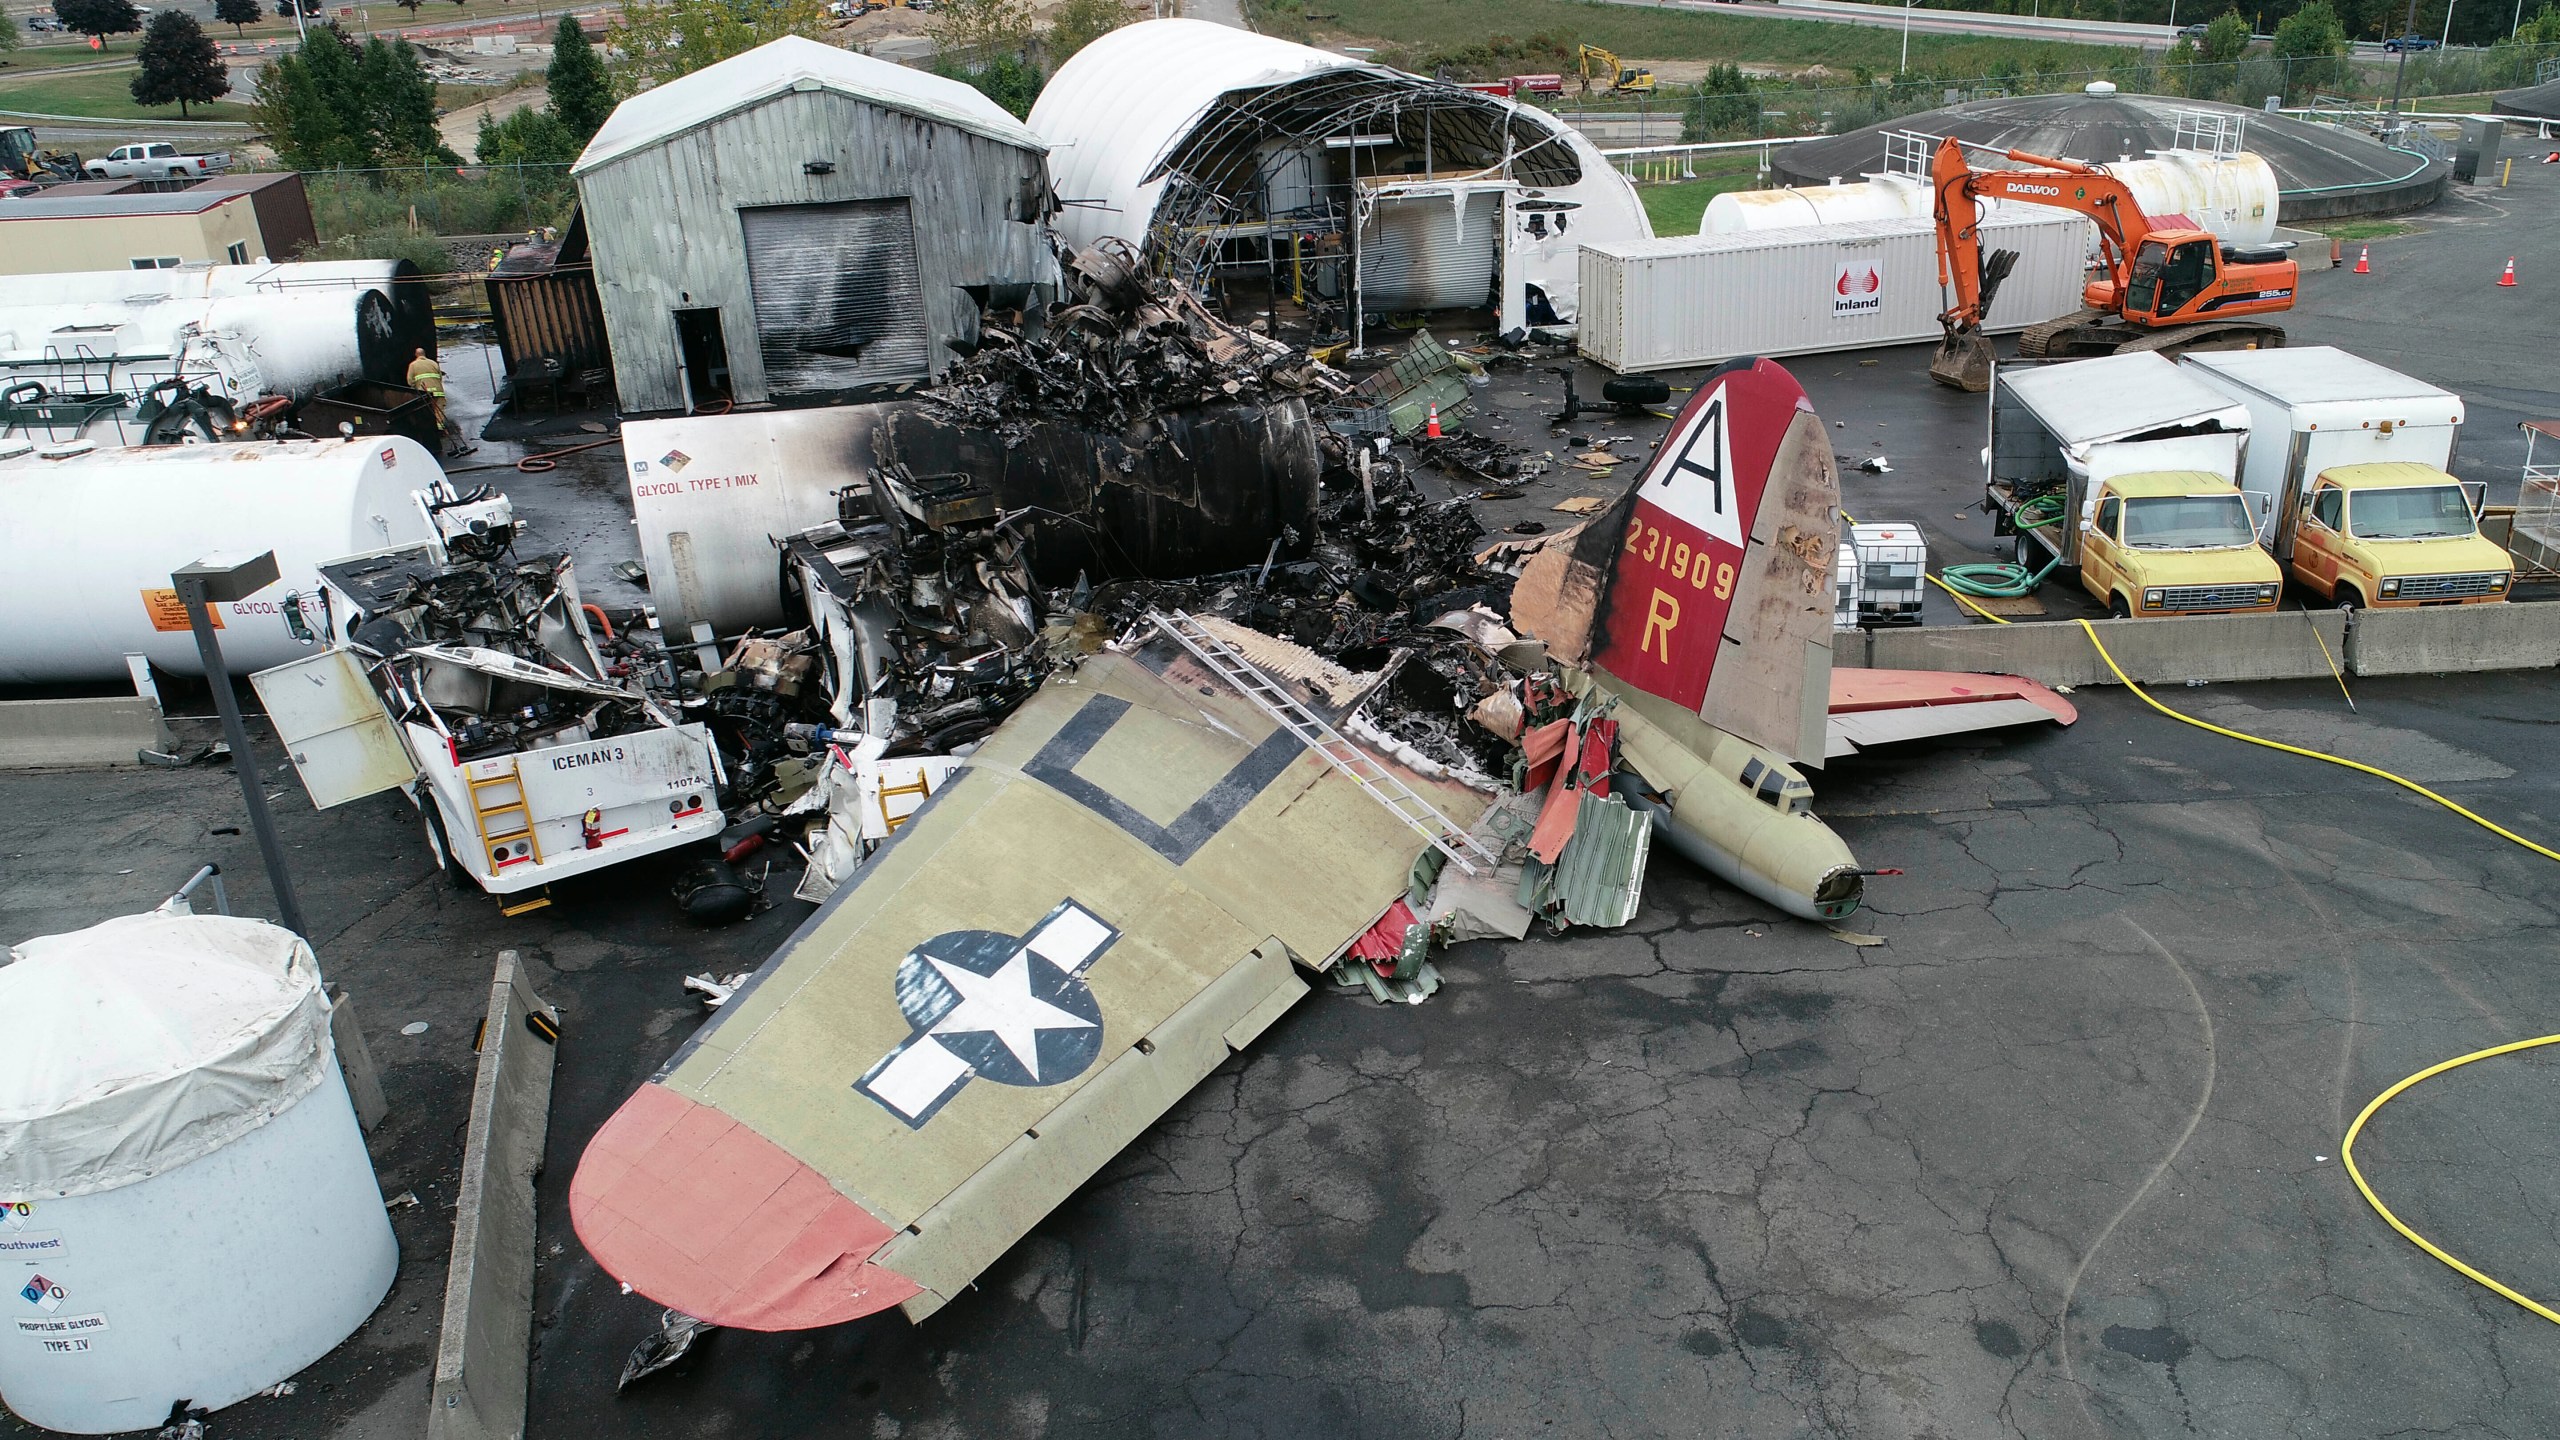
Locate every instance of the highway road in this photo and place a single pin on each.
(1932, 22)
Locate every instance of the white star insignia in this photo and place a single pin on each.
(1002, 1005)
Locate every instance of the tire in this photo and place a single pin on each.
(2117, 609)
(2348, 598)
(440, 846)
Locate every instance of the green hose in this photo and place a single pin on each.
(2004, 581)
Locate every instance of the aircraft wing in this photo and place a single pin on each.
(1878, 707)
(1087, 918)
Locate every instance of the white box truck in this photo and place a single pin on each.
(2315, 407)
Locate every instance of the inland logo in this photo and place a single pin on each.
(1013, 1009)
(1857, 288)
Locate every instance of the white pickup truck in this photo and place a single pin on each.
(157, 161)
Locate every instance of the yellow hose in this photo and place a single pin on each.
(2403, 782)
(2347, 1152)
(2346, 1148)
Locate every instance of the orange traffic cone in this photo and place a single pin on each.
(2509, 279)
(2364, 260)
(1432, 426)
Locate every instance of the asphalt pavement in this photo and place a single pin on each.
(2057, 1158)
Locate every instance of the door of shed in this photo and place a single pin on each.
(838, 305)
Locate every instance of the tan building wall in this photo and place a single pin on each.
(48, 245)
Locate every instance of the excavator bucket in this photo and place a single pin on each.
(1964, 361)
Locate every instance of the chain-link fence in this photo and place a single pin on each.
(440, 216)
(1822, 106)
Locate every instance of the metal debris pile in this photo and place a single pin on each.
(1122, 348)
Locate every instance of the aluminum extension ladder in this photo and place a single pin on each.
(1312, 731)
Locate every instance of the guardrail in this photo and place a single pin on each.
(2285, 645)
(1679, 162)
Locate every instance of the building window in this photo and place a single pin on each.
(164, 262)
(239, 252)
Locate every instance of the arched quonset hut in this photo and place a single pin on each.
(1210, 147)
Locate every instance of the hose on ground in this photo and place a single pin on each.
(2347, 1153)
(2346, 1148)
(2004, 581)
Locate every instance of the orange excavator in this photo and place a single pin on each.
(2170, 289)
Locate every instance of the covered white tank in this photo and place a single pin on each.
(398, 282)
(187, 1210)
(295, 344)
(93, 539)
(2232, 195)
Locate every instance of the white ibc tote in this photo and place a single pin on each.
(190, 1213)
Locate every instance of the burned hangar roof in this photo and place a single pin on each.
(2307, 158)
(1172, 101)
(793, 63)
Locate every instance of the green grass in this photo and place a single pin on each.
(1676, 208)
(38, 58)
(1426, 28)
(2352, 230)
(104, 94)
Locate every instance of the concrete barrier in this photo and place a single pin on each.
(2286, 645)
(484, 1352)
(78, 734)
(2457, 638)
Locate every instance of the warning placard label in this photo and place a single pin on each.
(168, 612)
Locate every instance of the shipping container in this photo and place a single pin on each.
(1700, 299)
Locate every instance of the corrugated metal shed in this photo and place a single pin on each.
(902, 199)
(542, 301)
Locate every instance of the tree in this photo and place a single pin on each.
(2313, 46)
(399, 105)
(581, 91)
(973, 32)
(1078, 23)
(2224, 39)
(663, 39)
(178, 62)
(98, 18)
(1009, 80)
(307, 104)
(531, 136)
(236, 13)
(1721, 105)
(8, 33)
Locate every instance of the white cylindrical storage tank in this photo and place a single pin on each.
(295, 344)
(1738, 211)
(2234, 196)
(190, 1211)
(94, 538)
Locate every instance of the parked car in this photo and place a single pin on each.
(2413, 44)
(11, 187)
(2192, 32)
(155, 161)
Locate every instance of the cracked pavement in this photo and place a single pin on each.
(2057, 1160)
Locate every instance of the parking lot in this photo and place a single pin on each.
(2058, 1157)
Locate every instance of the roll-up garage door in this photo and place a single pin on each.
(837, 303)
(1430, 252)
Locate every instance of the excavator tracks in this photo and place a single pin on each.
(2085, 333)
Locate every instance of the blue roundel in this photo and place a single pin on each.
(1011, 1013)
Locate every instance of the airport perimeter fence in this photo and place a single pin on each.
(1775, 108)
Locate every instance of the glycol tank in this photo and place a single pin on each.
(93, 538)
(2234, 196)
(187, 1210)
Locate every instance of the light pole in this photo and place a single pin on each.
(2402, 73)
(1905, 67)
(222, 579)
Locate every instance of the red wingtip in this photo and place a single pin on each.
(702, 1214)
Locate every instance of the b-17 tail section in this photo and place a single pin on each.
(1071, 934)
(1707, 584)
